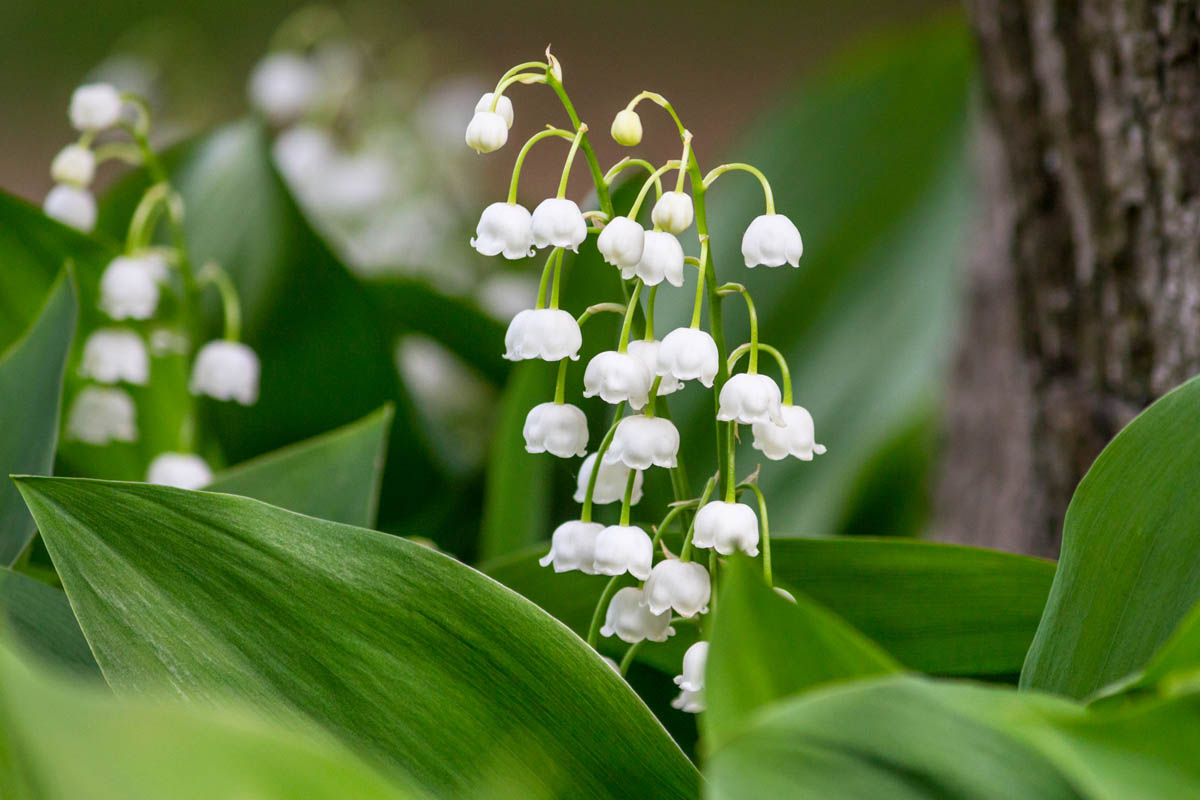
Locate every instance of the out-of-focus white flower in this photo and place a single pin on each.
(772, 240)
(681, 585)
(785, 594)
(573, 546)
(74, 165)
(628, 618)
(352, 184)
(504, 228)
(504, 294)
(610, 483)
(504, 106)
(72, 206)
(284, 86)
(557, 428)
(226, 370)
(647, 353)
(673, 212)
(624, 548)
(111, 355)
(129, 286)
(689, 702)
(794, 438)
(727, 527)
(617, 378)
(302, 153)
(181, 470)
(688, 354)
(550, 334)
(695, 662)
(621, 243)
(167, 342)
(487, 132)
(101, 415)
(558, 222)
(750, 399)
(641, 442)
(95, 107)
(627, 128)
(662, 258)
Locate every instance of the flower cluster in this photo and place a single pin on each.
(135, 286)
(652, 584)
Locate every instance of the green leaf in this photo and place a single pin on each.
(413, 658)
(334, 476)
(1177, 661)
(1127, 574)
(31, 383)
(765, 648)
(59, 740)
(39, 618)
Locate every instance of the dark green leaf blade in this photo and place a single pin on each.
(408, 655)
(40, 619)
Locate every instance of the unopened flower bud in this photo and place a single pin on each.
(610, 483)
(95, 107)
(573, 546)
(624, 548)
(487, 132)
(111, 355)
(627, 128)
(74, 165)
(181, 470)
(772, 240)
(558, 222)
(504, 228)
(681, 585)
(504, 106)
(72, 206)
(226, 370)
(101, 415)
(726, 527)
(750, 399)
(550, 334)
(628, 618)
(556, 428)
(673, 212)
(794, 438)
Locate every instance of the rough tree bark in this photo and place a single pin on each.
(1087, 276)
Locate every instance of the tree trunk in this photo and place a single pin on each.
(1087, 281)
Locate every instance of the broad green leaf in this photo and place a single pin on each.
(937, 608)
(39, 618)
(413, 658)
(31, 384)
(1177, 661)
(765, 648)
(1131, 545)
(334, 476)
(59, 740)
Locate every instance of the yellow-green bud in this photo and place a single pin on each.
(627, 128)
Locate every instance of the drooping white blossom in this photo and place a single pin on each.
(624, 548)
(181, 470)
(505, 294)
(111, 355)
(74, 165)
(95, 107)
(627, 128)
(303, 153)
(226, 370)
(556, 428)
(794, 438)
(641, 442)
(628, 618)
(673, 212)
(695, 662)
(558, 222)
(680, 585)
(726, 527)
(101, 414)
(487, 132)
(689, 702)
(504, 106)
(129, 286)
(688, 354)
(647, 352)
(749, 399)
(71, 205)
(550, 334)
(662, 259)
(610, 483)
(284, 86)
(573, 546)
(621, 243)
(504, 228)
(617, 378)
(772, 240)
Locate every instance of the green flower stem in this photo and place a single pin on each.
(602, 603)
(566, 173)
(784, 372)
(685, 554)
(730, 484)
(540, 65)
(754, 347)
(766, 186)
(585, 514)
(712, 577)
(654, 179)
(766, 530)
(698, 305)
(653, 396)
(661, 101)
(626, 163)
(545, 281)
(509, 81)
(683, 160)
(556, 283)
(679, 481)
(628, 658)
(602, 192)
(591, 311)
(146, 215)
(651, 296)
(520, 162)
(560, 383)
(118, 151)
(623, 343)
(677, 508)
(212, 274)
(627, 500)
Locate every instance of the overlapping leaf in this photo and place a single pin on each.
(39, 618)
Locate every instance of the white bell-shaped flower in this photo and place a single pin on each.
(689, 702)
(641, 442)
(284, 86)
(662, 259)
(726, 527)
(71, 206)
(750, 399)
(680, 585)
(673, 212)
(688, 354)
(504, 228)
(487, 132)
(610, 483)
(504, 106)
(621, 243)
(624, 548)
(558, 222)
(647, 353)
(794, 438)
(550, 334)
(617, 378)
(627, 128)
(573, 546)
(111, 355)
(226, 370)
(556, 428)
(181, 470)
(101, 415)
(772, 240)
(695, 662)
(95, 107)
(74, 164)
(303, 153)
(630, 621)
(129, 286)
